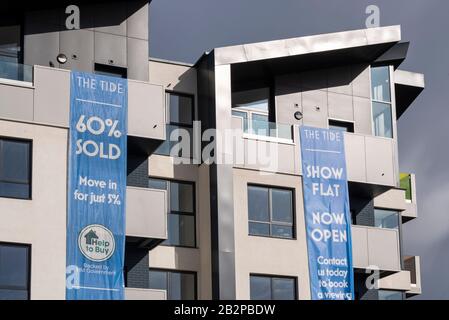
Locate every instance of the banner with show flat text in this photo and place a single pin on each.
(327, 214)
(96, 187)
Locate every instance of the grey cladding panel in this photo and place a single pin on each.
(137, 24)
(340, 106)
(110, 18)
(41, 49)
(16, 103)
(110, 47)
(339, 80)
(78, 46)
(137, 57)
(314, 104)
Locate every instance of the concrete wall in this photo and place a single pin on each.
(262, 255)
(40, 222)
(187, 259)
(47, 101)
(340, 93)
(113, 33)
(182, 78)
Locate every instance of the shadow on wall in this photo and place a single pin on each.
(43, 17)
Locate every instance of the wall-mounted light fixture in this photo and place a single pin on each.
(62, 58)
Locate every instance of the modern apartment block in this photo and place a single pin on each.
(199, 230)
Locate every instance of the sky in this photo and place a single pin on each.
(182, 30)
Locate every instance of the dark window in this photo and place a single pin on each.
(111, 71)
(181, 212)
(272, 288)
(341, 125)
(179, 285)
(15, 168)
(270, 212)
(14, 272)
(180, 110)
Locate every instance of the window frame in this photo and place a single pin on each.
(180, 213)
(28, 266)
(272, 277)
(167, 103)
(389, 103)
(270, 211)
(30, 169)
(176, 125)
(170, 271)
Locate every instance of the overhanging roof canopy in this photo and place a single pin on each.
(408, 86)
(364, 42)
(258, 61)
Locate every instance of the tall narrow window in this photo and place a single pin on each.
(181, 215)
(14, 272)
(381, 101)
(179, 285)
(180, 110)
(15, 168)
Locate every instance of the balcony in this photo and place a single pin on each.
(146, 216)
(47, 100)
(370, 160)
(412, 265)
(399, 281)
(376, 247)
(145, 294)
(408, 183)
(16, 71)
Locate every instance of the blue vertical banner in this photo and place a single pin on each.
(96, 187)
(327, 214)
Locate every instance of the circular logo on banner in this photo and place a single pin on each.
(96, 242)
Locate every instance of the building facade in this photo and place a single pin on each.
(231, 228)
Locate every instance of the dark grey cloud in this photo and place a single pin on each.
(183, 29)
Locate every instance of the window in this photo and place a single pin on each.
(390, 295)
(111, 71)
(14, 272)
(272, 288)
(179, 285)
(181, 211)
(341, 125)
(270, 212)
(387, 219)
(180, 111)
(253, 107)
(10, 53)
(15, 168)
(381, 104)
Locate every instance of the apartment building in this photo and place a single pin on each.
(195, 229)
